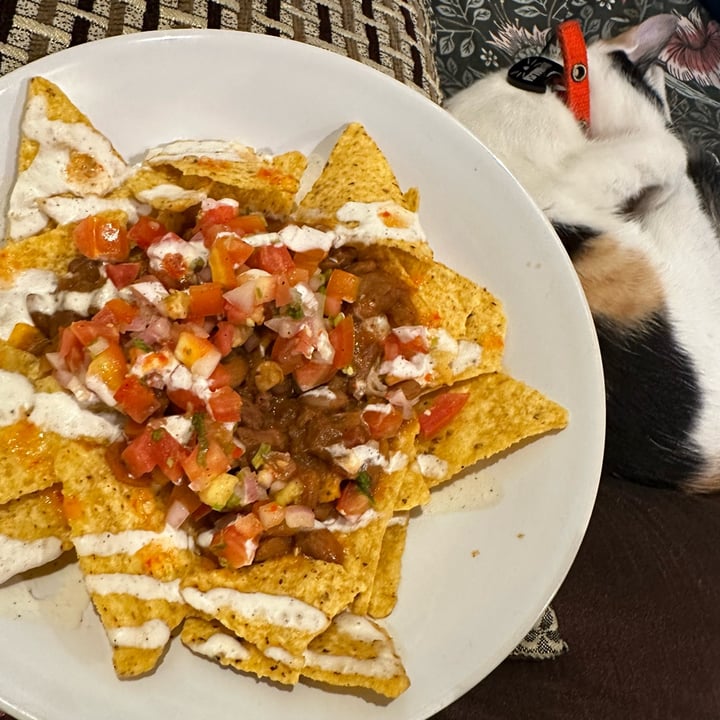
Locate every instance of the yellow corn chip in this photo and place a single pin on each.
(131, 562)
(356, 171)
(212, 640)
(500, 412)
(356, 652)
(33, 531)
(53, 125)
(283, 602)
(389, 568)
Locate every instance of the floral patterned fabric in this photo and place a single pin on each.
(475, 37)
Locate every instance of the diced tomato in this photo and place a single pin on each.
(88, 331)
(206, 299)
(185, 400)
(275, 259)
(101, 239)
(229, 373)
(290, 353)
(182, 503)
(139, 455)
(219, 214)
(394, 347)
(283, 287)
(442, 411)
(383, 424)
(353, 502)
(202, 466)
(224, 337)
(237, 368)
(71, 349)
(174, 265)
(342, 338)
(227, 254)
(122, 274)
(117, 312)
(113, 457)
(311, 374)
(235, 544)
(146, 231)
(169, 454)
(136, 399)
(154, 448)
(309, 260)
(225, 405)
(109, 366)
(342, 285)
(248, 224)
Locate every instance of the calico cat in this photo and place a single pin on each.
(638, 213)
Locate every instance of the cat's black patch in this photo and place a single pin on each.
(653, 398)
(704, 171)
(635, 77)
(574, 237)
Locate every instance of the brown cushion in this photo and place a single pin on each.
(640, 612)
(393, 36)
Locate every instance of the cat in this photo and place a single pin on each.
(637, 211)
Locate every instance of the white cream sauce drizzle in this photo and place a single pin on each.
(130, 541)
(64, 210)
(47, 174)
(17, 556)
(211, 149)
(384, 665)
(221, 646)
(171, 193)
(61, 414)
(279, 610)
(143, 587)
(368, 225)
(151, 635)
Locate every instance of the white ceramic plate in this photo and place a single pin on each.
(477, 574)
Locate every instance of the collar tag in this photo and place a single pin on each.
(534, 73)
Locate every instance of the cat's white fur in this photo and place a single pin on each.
(584, 178)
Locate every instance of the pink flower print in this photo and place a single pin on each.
(693, 53)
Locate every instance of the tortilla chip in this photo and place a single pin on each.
(356, 171)
(136, 594)
(500, 412)
(212, 640)
(356, 652)
(414, 491)
(33, 531)
(284, 602)
(51, 122)
(51, 250)
(26, 459)
(389, 569)
(258, 183)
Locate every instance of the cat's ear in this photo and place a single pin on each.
(643, 43)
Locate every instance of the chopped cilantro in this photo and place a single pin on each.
(364, 484)
(260, 456)
(198, 425)
(141, 344)
(295, 311)
(157, 434)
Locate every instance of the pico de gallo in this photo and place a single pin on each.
(258, 371)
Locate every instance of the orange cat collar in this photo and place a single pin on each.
(575, 70)
(570, 80)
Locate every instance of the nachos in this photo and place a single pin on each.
(226, 398)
